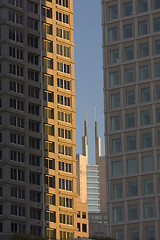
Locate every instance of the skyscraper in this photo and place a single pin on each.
(131, 64)
(37, 119)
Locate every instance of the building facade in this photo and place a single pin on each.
(131, 65)
(38, 186)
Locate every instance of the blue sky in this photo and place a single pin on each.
(88, 71)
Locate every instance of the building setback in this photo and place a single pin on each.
(38, 187)
(131, 65)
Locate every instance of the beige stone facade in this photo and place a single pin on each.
(38, 184)
(131, 64)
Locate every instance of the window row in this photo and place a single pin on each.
(127, 8)
(65, 184)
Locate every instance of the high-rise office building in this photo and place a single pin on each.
(37, 119)
(131, 64)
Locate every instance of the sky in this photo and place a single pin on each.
(88, 72)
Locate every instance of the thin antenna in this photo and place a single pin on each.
(86, 113)
(95, 114)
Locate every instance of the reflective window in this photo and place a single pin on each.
(116, 169)
(130, 120)
(146, 163)
(156, 4)
(145, 95)
(131, 166)
(158, 138)
(132, 189)
(113, 12)
(147, 140)
(132, 212)
(148, 186)
(113, 78)
(128, 75)
(142, 5)
(148, 210)
(117, 191)
(134, 234)
(144, 50)
(143, 72)
(157, 47)
(142, 27)
(150, 233)
(115, 100)
(119, 234)
(116, 145)
(131, 143)
(157, 69)
(158, 92)
(112, 34)
(115, 123)
(158, 161)
(158, 115)
(117, 214)
(130, 98)
(145, 118)
(156, 24)
(127, 31)
(114, 56)
(129, 53)
(127, 8)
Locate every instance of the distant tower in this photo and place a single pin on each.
(97, 143)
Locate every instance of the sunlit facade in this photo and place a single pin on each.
(38, 188)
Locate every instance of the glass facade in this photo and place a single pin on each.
(127, 31)
(113, 12)
(113, 78)
(116, 145)
(128, 75)
(127, 8)
(116, 169)
(117, 191)
(129, 53)
(130, 120)
(142, 27)
(146, 163)
(115, 123)
(131, 166)
(115, 100)
(143, 72)
(132, 212)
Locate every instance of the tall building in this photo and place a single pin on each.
(38, 186)
(131, 65)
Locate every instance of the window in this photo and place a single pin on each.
(114, 56)
(113, 78)
(145, 95)
(49, 181)
(16, 53)
(115, 100)
(157, 69)
(34, 126)
(33, 92)
(33, 75)
(49, 146)
(64, 100)
(63, 33)
(35, 196)
(33, 109)
(65, 117)
(32, 23)
(17, 174)
(47, 28)
(127, 31)
(47, 12)
(34, 143)
(147, 140)
(132, 212)
(49, 163)
(15, 35)
(130, 98)
(17, 192)
(32, 7)
(113, 12)
(62, 17)
(144, 50)
(47, 62)
(146, 163)
(132, 188)
(156, 4)
(63, 50)
(17, 121)
(134, 233)
(115, 123)
(32, 41)
(116, 169)
(142, 27)
(34, 160)
(48, 113)
(17, 3)
(150, 233)
(17, 139)
(66, 202)
(148, 186)
(142, 6)
(34, 178)
(117, 214)
(158, 138)
(156, 24)
(48, 96)
(145, 118)
(35, 213)
(117, 191)
(157, 47)
(143, 72)
(50, 216)
(148, 210)
(50, 199)
(17, 156)
(129, 53)
(16, 70)
(119, 234)
(49, 129)
(131, 166)
(63, 67)
(131, 143)
(158, 115)
(63, 84)
(116, 145)
(16, 87)
(112, 34)
(17, 210)
(64, 3)
(130, 120)
(128, 75)
(1, 227)
(158, 92)
(127, 8)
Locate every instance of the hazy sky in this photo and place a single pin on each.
(88, 71)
